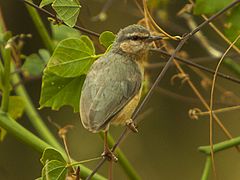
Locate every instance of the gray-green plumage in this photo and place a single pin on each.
(114, 79)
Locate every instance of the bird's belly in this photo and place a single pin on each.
(126, 113)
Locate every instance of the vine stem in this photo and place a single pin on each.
(6, 53)
(33, 115)
(207, 167)
(41, 28)
(31, 112)
(220, 146)
(22, 134)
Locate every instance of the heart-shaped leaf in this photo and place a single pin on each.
(35, 63)
(54, 170)
(72, 57)
(107, 38)
(60, 32)
(58, 91)
(67, 10)
(51, 154)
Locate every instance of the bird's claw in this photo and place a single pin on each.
(131, 125)
(109, 155)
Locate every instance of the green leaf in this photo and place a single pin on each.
(45, 2)
(232, 25)
(60, 32)
(67, 10)
(55, 167)
(16, 106)
(57, 91)
(72, 57)
(107, 38)
(44, 54)
(210, 6)
(35, 63)
(54, 170)
(51, 154)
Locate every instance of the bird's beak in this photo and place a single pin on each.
(154, 38)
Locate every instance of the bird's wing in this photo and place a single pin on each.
(108, 87)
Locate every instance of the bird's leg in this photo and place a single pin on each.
(107, 151)
(131, 125)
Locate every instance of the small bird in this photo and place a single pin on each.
(113, 85)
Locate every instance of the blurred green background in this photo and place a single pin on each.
(166, 145)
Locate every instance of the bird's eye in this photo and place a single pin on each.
(134, 38)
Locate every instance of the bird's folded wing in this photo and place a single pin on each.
(106, 95)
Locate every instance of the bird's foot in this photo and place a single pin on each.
(109, 155)
(131, 125)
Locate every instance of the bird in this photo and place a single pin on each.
(113, 85)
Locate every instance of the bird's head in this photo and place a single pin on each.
(134, 39)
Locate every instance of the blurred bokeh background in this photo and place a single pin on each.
(166, 145)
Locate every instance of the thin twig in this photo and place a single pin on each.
(59, 20)
(221, 110)
(190, 63)
(212, 99)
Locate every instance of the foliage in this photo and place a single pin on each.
(232, 25)
(59, 91)
(67, 10)
(210, 7)
(45, 2)
(106, 38)
(35, 63)
(65, 73)
(54, 165)
(61, 32)
(72, 57)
